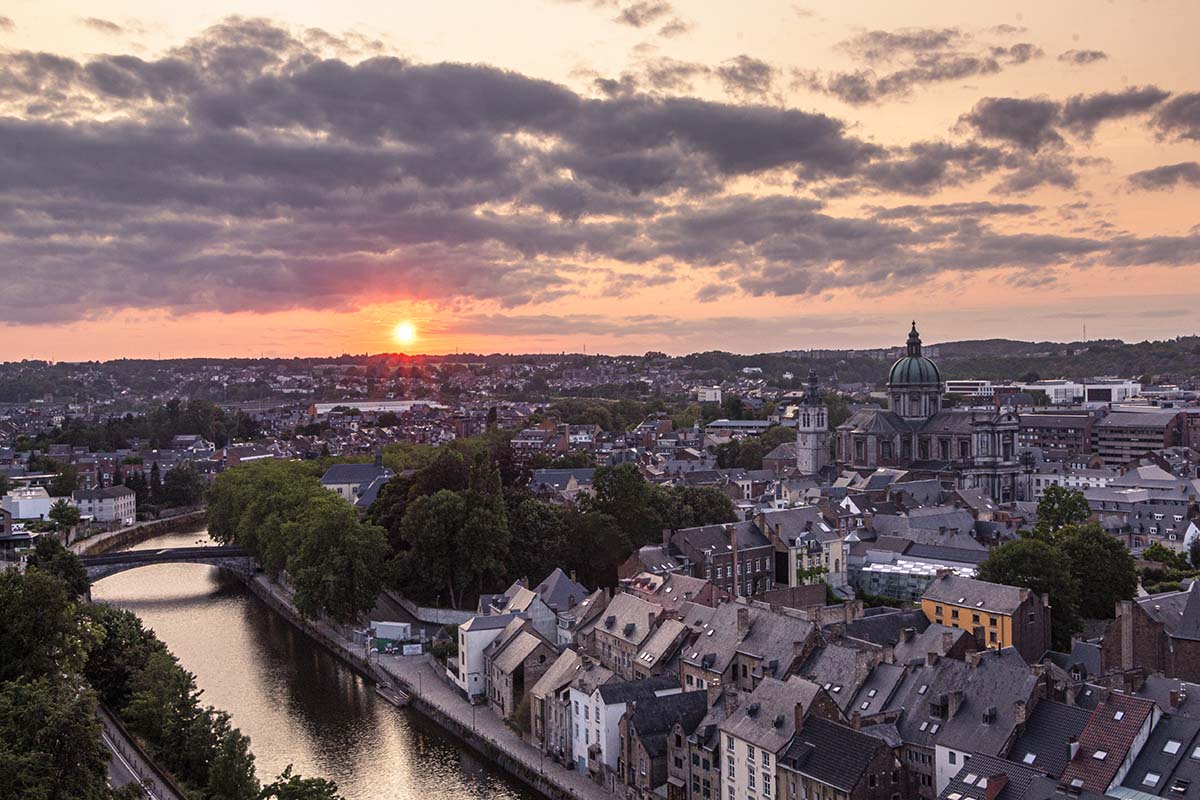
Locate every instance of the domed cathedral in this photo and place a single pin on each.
(977, 449)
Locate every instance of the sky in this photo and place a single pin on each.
(297, 178)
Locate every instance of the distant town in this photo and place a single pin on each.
(808, 574)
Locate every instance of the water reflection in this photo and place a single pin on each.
(297, 703)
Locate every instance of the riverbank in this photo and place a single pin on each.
(123, 538)
(475, 726)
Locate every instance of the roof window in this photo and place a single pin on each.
(1029, 758)
(1100, 755)
(1120, 715)
(1172, 747)
(1151, 779)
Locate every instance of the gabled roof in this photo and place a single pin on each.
(766, 718)
(1106, 741)
(559, 592)
(353, 473)
(624, 691)
(1043, 744)
(973, 781)
(995, 598)
(654, 717)
(833, 754)
(1167, 762)
(558, 675)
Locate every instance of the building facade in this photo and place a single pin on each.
(812, 430)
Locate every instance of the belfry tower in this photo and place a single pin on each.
(812, 430)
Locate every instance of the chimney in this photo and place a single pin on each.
(954, 702)
(973, 658)
(856, 720)
(863, 664)
(743, 620)
(798, 716)
(1019, 713)
(666, 536)
(1073, 747)
(889, 654)
(1173, 700)
(947, 642)
(931, 658)
(650, 623)
(995, 785)
(573, 577)
(907, 634)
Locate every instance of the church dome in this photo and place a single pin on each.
(914, 369)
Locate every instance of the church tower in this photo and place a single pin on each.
(812, 430)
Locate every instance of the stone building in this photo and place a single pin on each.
(978, 449)
(1158, 633)
(812, 430)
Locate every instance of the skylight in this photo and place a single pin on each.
(1100, 755)
(1029, 758)
(1151, 779)
(1120, 715)
(1172, 747)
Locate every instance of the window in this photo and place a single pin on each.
(1029, 758)
(749, 748)
(1120, 715)
(1151, 779)
(766, 759)
(1100, 755)
(1172, 747)
(954, 760)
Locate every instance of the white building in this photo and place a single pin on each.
(708, 394)
(973, 389)
(1096, 391)
(468, 671)
(29, 502)
(110, 504)
(596, 712)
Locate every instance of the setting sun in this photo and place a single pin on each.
(404, 332)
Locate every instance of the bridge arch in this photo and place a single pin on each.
(230, 558)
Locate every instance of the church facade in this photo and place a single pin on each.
(978, 449)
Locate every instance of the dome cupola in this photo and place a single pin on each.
(915, 383)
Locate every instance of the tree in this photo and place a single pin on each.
(1037, 565)
(337, 564)
(65, 513)
(231, 774)
(623, 494)
(52, 558)
(182, 485)
(595, 544)
(121, 653)
(431, 562)
(1165, 555)
(156, 486)
(38, 632)
(65, 482)
(1059, 507)
(1102, 566)
(691, 506)
(50, 742)
(1194, 552)
(292, 787)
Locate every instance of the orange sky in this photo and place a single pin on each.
(180, 200)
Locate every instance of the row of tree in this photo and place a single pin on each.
(60, 656)
(279, 513)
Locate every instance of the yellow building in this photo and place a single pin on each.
(998, 616)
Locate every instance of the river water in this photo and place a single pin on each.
(297, 703)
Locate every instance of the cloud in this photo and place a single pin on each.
(6, 24)
(642, 13)
(1081, 114)
(747, 77)
(674, 27)
(1035, 123)
(1180, 117)
(249, 170)
(1027, 123)
(1082, 57)
(897, 62)
(101, 25)
(1167, 176)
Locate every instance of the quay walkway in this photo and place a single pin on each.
(419, 676)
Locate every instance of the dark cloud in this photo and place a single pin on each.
(966, 209)
(1180, 117)
(102, 25)
(1082, 113)
(1027, 123)
(643, 13)
(249, 170)
(900, 61)
(1167, 176)
(1035, 123)
(747, 77)
(1081, 57)
(671, 75)
(674, 27)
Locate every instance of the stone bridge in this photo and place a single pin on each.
(231, 558)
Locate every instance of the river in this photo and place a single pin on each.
(297, 703)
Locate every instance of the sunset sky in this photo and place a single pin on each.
(298, 178)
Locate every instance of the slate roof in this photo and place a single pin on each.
(1043, 743)
(766, 717)
(833, 754)
(368, 495)
(654, 717)
(876, 690)
(487, 622)
(625, 691)
(516, 650)
(627, 617)
(591, 676)
(559, 592)
(1179, 612)
(971, 782)
(995, 598)
(106, 493)
(1174, 770)
(558, 675)
(886, 628)
(353, 473)
(1107, 735)
(876, 421)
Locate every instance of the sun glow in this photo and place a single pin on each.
(404, 332)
